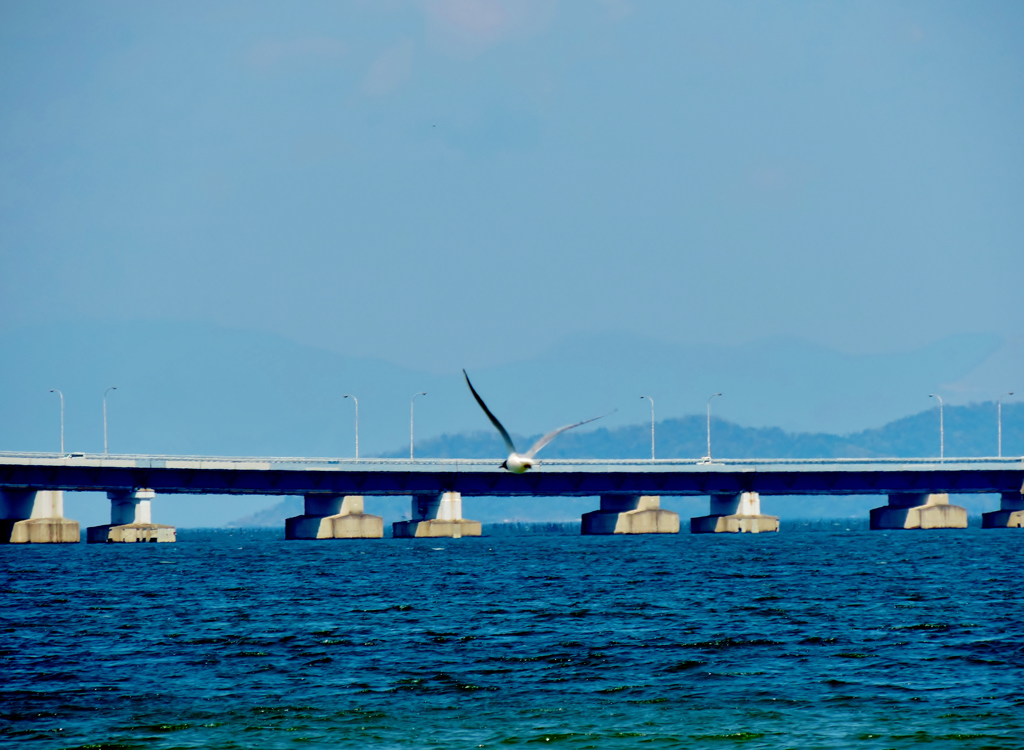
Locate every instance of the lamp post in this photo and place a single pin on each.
(58, 392)
(709, 422)
(349, 395)
(999, 420)
(652, 424)
(412, 405)
(942, 430)
(111, 388)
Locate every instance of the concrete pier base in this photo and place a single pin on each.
(918, 510)
(334, 517)
(436, 516)
(35, 517)
(738, 513)
(131, 521)
(40, 531)
(630, 514)
(1010, 514)
(431, 528)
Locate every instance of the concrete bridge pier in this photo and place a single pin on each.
(131, 520)
(630, 514)
(436, 515)
(919, 510)
(1010, 514)
(734, 514)
(334, 517)
(35, 517)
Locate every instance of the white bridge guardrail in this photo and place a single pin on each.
(327, 461)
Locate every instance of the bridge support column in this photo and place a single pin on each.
(436, 515)
(1010, 514)
(630, 514)
(919, 510)
(35, 517)
(131, 520)
(334, 517)
(734, 514)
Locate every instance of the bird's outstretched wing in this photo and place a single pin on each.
(494, 419)
(555, 433)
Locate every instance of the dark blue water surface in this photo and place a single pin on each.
(240, 639)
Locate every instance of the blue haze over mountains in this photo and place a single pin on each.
(970, 431)
(202, 389)
(192, 388)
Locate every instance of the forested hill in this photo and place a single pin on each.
(970, 431)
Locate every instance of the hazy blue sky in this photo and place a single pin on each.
(452, 183)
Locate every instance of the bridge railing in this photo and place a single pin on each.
(378, 461)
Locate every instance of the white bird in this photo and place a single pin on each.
(518, 463)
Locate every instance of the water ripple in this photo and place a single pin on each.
(242, 640)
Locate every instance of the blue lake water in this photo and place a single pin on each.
(242, 640)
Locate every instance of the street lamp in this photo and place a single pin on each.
(709, 423)
(999, 419)
(412, 404)
(55, 390)
(652, 424)
(111, 388)
(349, 395)
(942, 430)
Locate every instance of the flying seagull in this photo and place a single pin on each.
(518, 463)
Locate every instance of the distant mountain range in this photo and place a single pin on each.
(189, 388)
(969, 431)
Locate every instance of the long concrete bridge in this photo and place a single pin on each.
(334, 490)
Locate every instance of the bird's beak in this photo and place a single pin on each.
(504, 464)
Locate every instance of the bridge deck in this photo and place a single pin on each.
(380, 476)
